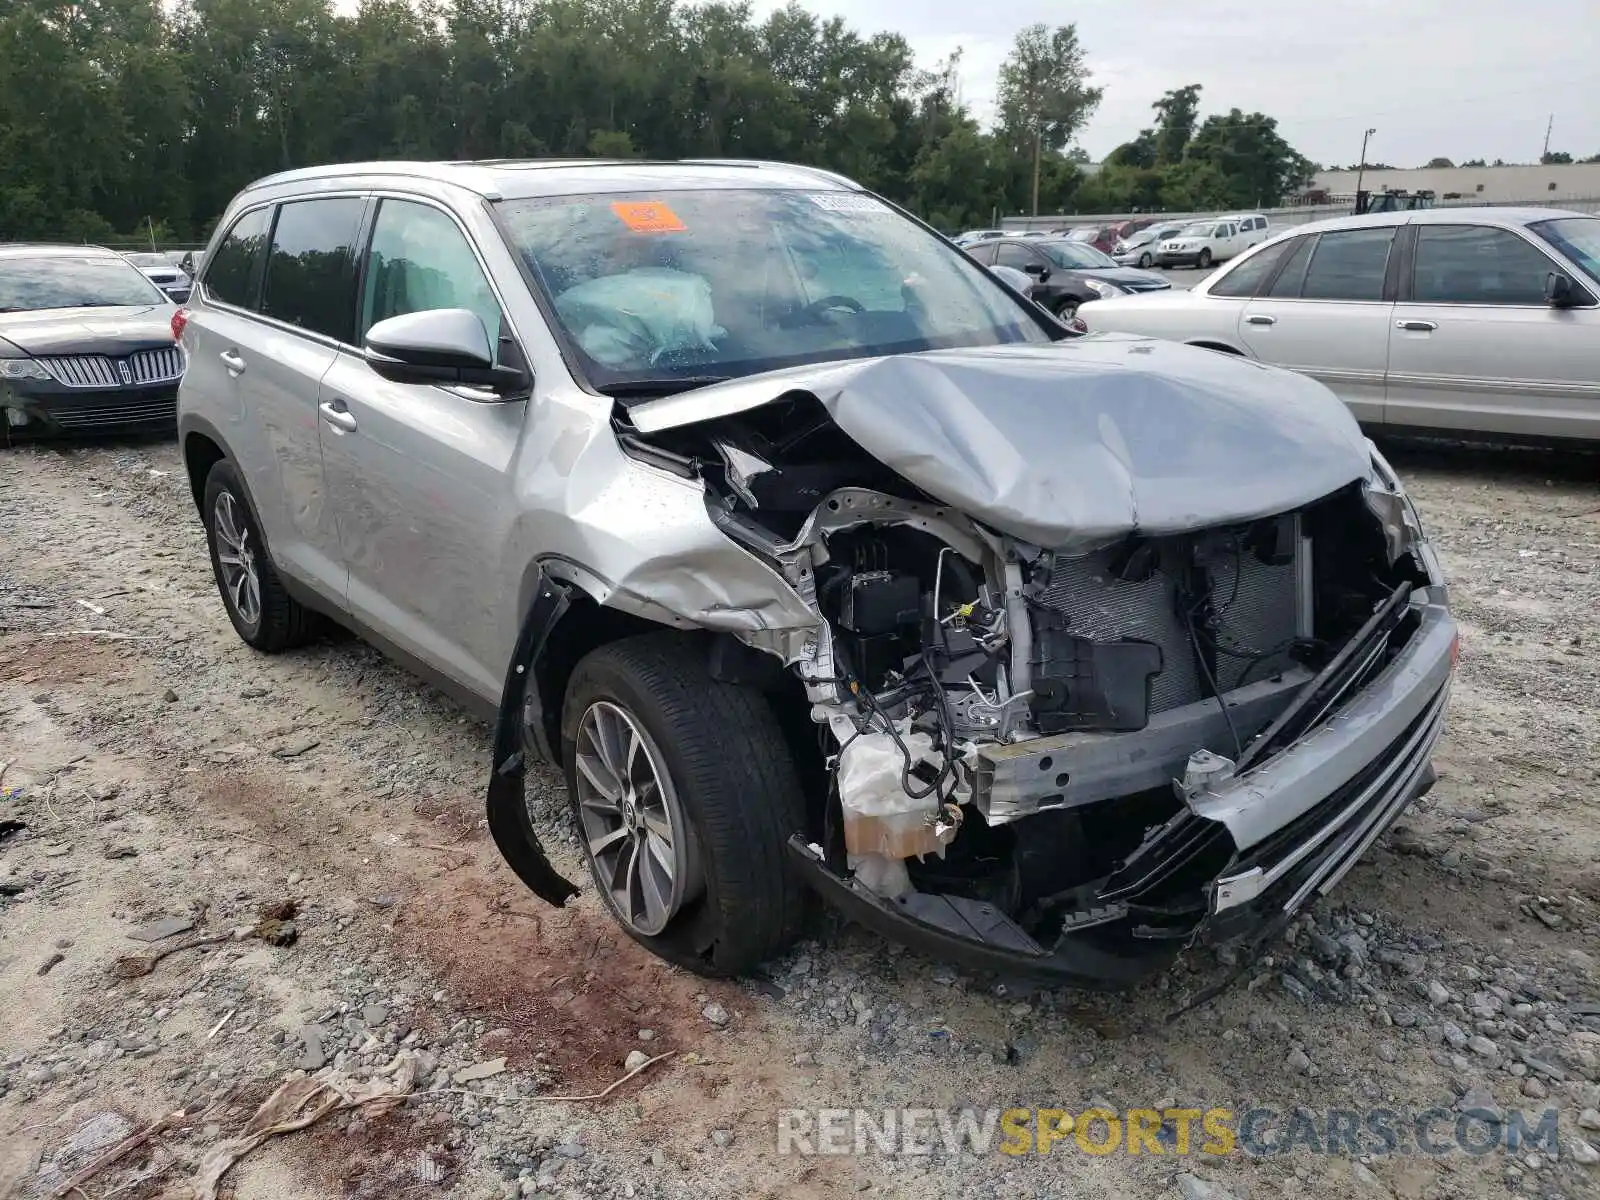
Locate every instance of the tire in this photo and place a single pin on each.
(1144, 262)
(275, 621)
(1068, 308)
(1204, 259)
(730, 788)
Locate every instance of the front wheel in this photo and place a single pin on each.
(685, 841)
(1067, 309)
(1204, 260)
(1144, 262)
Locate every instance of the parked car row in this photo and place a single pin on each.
(1480, 320)
(1066, 273)
(1151, 241)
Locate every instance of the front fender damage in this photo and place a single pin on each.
(510, 823)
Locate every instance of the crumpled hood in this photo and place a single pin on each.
(1074, 444)
(110, 331)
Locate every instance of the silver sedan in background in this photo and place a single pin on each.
(1450, 320)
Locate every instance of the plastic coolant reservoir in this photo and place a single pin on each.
(879, 818)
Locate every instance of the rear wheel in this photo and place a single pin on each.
(685, 839)
(1204, 260)
(264, 615)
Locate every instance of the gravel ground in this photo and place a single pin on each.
(160, 770)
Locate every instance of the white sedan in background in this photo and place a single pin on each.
(1455, 320)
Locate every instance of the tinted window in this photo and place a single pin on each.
(231, 270)
(1473, 264)
(1013, 255)
(1294, 269)
(1349, 265)
(1244, 279)
(311, 279)
(1576, 237)
(421, 260)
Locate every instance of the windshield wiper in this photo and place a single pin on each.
(666, 385)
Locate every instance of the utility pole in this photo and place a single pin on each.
(1362, 169)
(1038, 138)
(1549, 125)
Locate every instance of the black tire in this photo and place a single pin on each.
(1144, 261)
(735, 783)
(283, 622)
(1204, 260)
(1068, 308)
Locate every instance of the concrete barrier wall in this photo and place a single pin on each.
(1277, 218)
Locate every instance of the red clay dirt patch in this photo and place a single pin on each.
(35, 659)
(570, 990)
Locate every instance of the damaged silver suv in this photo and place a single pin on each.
(816, 558)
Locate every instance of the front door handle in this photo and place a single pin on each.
(231, 360)
(1417, 326)
(1260, 319)
(336, 414)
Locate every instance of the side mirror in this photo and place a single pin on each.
(440, 346)
(1557, 289)
(1038, 270)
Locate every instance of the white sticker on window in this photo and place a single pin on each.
(848, 202)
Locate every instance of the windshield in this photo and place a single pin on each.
(1076, 256)
(1576, 237)
(31, 284)
(653, 288)
(147, 260)
(1201, 230)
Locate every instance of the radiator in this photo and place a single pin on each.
(1259, 607)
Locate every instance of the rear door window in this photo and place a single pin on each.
(1477, 264)
(1349, 265)
(231, 273)
(982, 252)
(311, 275)
(1011, 254)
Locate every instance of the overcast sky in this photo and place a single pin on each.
(1459, 78)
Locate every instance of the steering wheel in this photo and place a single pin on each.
(810, 312)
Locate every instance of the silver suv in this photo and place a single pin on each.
(816, 557)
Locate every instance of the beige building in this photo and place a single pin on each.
(1488, 185)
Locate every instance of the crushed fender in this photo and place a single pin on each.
(510, 823)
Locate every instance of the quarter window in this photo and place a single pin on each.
(421, 260)
(1476, 264)
(1012, 255)
(1288, 282)
(1349, 265)
(1245, 279)
(311, 279)
(231, 271)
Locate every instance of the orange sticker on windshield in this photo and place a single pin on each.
(648, 217)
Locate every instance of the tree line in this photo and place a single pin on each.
(122, 117)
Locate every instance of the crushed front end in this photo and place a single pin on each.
(1072, 762)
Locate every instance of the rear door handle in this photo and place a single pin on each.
(231, 360)
(1260, 319)
(1417, 326)
(336, 414)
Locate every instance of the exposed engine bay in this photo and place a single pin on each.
(1020, 741)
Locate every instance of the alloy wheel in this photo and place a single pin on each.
(236, 554)
(630, 819)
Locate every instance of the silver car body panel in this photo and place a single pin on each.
(1072, 445)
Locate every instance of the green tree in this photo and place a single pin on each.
(1043, 94)
(1177, 113)
(1435, 163)
(1246, 148)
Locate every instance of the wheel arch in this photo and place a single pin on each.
(1219, 347)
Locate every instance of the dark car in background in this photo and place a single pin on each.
(86, 344)
(1066, 272)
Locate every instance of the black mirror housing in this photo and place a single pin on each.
(1038, 270)
(1558, 290)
